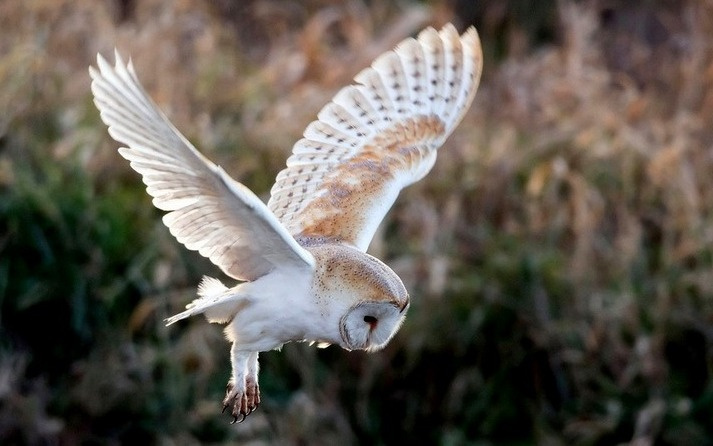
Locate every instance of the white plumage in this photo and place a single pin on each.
(302, 256)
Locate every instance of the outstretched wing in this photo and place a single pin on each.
(209, 211)
(377, 137)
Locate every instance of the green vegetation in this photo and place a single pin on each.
(559, 255)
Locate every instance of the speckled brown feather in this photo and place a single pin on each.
(357, 271)
(343, 210)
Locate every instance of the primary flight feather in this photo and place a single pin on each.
(306, 275)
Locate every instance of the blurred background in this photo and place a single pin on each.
(559, 255)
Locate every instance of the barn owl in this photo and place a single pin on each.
(300, 259)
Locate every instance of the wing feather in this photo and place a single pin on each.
(377, 136)
(390, 70)
(410, 53)
(209, 212)
(453, 63)
(433, 53)
(375, 90)
(362, 109)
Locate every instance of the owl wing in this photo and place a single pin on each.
(377, 136)
(209, 211)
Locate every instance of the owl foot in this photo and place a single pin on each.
(242, 403)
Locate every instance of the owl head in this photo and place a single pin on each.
(370, 298)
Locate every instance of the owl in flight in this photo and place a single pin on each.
(301, 259)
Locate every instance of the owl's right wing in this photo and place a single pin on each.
(209, 212)
(377, 136)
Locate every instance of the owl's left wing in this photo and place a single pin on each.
(377, 137)
(209, 212)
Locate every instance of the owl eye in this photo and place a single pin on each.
(371, 320)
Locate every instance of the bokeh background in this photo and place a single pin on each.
(559, 255)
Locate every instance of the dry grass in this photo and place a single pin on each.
(559, 254)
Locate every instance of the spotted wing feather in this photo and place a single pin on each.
(377, 137)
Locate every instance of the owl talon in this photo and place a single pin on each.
(240, 403)
(235, 419)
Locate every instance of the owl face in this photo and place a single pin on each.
(370, 325)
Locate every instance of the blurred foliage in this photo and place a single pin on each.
(559, 255)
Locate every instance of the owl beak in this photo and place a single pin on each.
(372, 321)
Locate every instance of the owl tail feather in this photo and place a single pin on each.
(218, 302)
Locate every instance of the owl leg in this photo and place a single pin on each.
(236, 396)
(251, 386)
